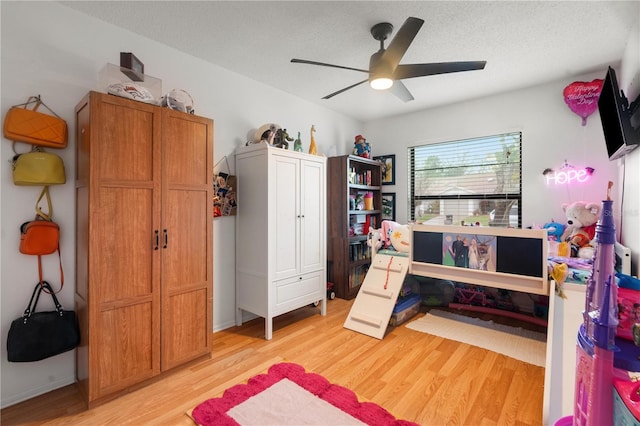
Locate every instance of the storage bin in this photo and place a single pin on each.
(405, 309)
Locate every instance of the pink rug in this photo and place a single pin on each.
(287, 394)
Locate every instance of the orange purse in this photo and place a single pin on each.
(30, 126)
(41, 236)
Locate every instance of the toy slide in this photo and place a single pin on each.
(373, 307)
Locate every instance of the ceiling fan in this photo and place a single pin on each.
(385, 70)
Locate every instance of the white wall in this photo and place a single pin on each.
(629, 81)
(54, 51)
(551, 134)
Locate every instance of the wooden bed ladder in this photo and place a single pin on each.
(373, 307)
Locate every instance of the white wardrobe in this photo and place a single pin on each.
(280, 232)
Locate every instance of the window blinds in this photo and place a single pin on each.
(469, 181)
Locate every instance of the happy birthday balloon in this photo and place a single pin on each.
(582, 97)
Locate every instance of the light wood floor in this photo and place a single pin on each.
(417, 377)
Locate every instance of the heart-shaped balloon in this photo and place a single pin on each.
(582, 97)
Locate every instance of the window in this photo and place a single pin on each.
(468, 181)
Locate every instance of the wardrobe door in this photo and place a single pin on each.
(124, 267)
(312, 212)
(186, 237)
(284, 216)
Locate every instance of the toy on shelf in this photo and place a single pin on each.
(581, 227)
(282, 139)
(313, 148)
(297, 144)
(361, 147)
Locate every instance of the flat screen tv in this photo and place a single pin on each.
(615, 113)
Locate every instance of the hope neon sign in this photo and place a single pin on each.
(567, 177)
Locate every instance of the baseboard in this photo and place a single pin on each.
(246, 316)
(32, 393)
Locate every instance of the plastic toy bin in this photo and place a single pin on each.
(405, 309)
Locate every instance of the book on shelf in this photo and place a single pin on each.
(361, 178)
(359, 251)
(357, 275)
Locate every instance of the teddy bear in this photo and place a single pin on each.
(582, 218)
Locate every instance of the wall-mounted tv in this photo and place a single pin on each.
(615, 113)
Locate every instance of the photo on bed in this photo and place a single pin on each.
(469, 251)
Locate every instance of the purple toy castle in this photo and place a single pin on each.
(604, 392)
(596, 338)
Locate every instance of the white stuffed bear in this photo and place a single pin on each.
(582, 218)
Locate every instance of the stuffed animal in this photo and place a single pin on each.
(387, 228)
(374, 238)
(400, 238)
(395, 236)
(554, 230)
(361, 147)
(581, 227)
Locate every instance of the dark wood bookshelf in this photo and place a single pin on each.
(349, 177)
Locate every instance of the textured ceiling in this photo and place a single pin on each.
(524, 43)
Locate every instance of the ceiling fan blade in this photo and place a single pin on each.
(331, 95)
(401, 91)
(401, 41)
(421, 70)
(304, 61)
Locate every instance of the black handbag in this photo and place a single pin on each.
(39, 335)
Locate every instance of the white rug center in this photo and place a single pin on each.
(286, 403)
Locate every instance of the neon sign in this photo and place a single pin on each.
(568, 176)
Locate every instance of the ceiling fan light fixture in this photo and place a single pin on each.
(381, 83)
(385, 70)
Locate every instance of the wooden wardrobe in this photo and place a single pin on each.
(144, 242)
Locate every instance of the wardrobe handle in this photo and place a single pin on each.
(166, 238)
(157, 240)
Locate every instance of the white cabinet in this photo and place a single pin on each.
(280, 232)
